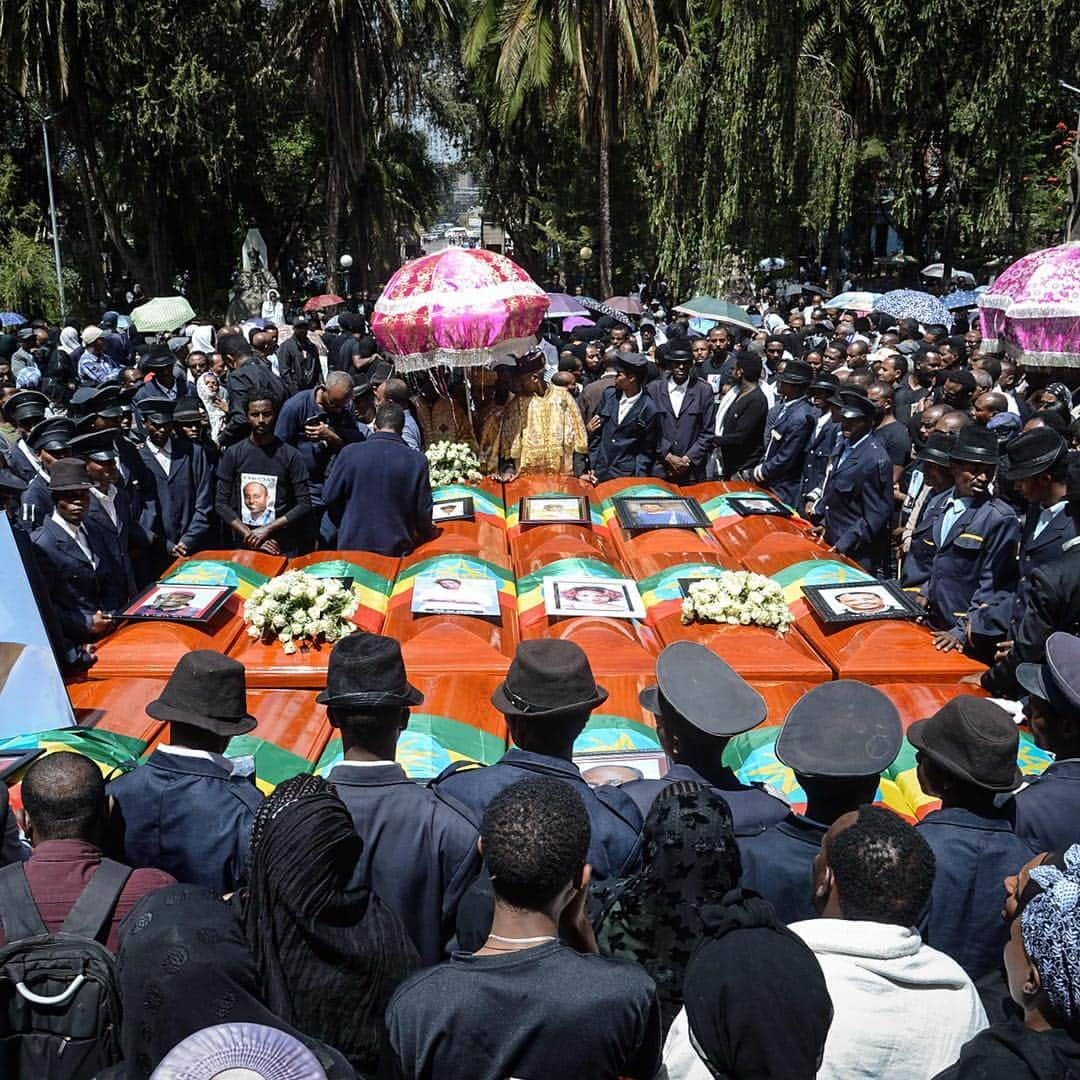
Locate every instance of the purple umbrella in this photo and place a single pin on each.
(575, 321)
(563, 306)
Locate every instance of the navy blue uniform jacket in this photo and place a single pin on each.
(615, 819)
(187, 816)
(973, 854)
(788, 429)
(856, 504)
(1047, 811)
(379, 493)
(973, 575)
(690, 433)
(35, 504)
(184, 500)
(419, 854)
(1036, 551)
(629, 448)
(752, 808)
(119, 537)
(778, 864)
(821, 447)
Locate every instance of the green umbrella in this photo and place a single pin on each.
(162, 314)
(708, 307)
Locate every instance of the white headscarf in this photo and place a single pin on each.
(202, 339)
(69, 340)
(207, 396)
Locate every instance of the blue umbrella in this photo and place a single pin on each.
(913, 304)
(962, 298)
(11, 318)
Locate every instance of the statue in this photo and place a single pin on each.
(253, 282)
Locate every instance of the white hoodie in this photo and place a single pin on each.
(902, 1010)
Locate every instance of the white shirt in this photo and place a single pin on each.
(677, 394)
(1070, 544)
(626, 404)
(107, 500)
(32, 458)
(363, 764)
(78, 535)
(162, 454)
(206, 755)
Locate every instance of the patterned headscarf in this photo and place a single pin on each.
(1050, 923)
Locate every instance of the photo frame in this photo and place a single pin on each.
(860, 601)
(459, 509)
(686, 582)
(648, 764)
(749, 505)
(554, 510)
(437, 593)
(15, 761)
(638, 513)
(616, 598)
(177, 602)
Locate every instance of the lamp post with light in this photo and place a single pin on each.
(346, 265)
(586, 254)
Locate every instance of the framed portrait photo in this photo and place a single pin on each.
(553, 510)
(175, 602)
(660, 512)
(615, 597)
(749, 503)
(860, 601)
(453, 510)
(436, 593)
(620, 767)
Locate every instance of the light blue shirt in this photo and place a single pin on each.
(849, 447)
(954, 508)
(1047, 515)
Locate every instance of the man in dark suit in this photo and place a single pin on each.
(547, 697)
(250, 379)
(1052, 604)
(86, 586)
(855, 507)
(24, 411)
(186, 810)
(48, 442)
(163, 383)
(824, 396)
(974, 572)
(379, 491)
(299, 367)
(625, 430)
(838, 739)
(420, 851)
(183, 479)
(788, 428)
(687, 417)
(694, 730)
(742, 427)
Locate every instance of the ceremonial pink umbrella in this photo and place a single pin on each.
(575, 321)
(1033, 309)
(460, 307)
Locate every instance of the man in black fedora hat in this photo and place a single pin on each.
(856, 502)
(547, 697)
(699, 703)
(824, 394)
(420, 852)
(86, 585)
(838, 739)
(624, 431)
(966, 754)
(186, 809)
(1052, 603)
(687, 419)
(1048, 808)
(163, 383)
(49, 441)
(934, 479)
(788, 429)
(973, 575)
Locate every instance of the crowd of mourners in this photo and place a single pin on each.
(514, 920)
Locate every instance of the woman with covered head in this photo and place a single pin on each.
(1042, 963)
(328, 960)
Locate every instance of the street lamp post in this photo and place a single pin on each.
(346, 265)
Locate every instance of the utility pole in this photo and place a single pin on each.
(52, 214)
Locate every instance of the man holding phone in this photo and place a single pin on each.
(320, 423)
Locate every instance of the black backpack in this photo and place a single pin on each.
(59, 998)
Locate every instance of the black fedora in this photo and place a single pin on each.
(1033, 452)
(797, 372)
(548, 679)
(69, 474)
(936, 449)
(206, 690)
(367, 671)
(975, 445)
(971, 738)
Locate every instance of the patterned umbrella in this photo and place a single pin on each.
(461, 307)
(913, 304)
(1033, 308)
(11, 318)
(162, 314)
(854, 301)
(561, 306)
(962, 298)
(317, 303)
(594, 305)
(626, 304)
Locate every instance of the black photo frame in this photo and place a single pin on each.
(146, 606)
(748, 505)
(840, 604)
(530, 510)
(635, 516)
(466, 513)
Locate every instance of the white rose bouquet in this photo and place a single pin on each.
(739, 598)
(297, 609)
(452, 463)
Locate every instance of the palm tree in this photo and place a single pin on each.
(608, 48)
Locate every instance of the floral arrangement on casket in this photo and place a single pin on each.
(738, 597)
(297, 609)
(452, 463)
